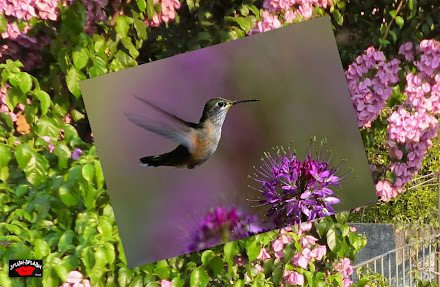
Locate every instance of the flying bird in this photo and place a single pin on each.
(197, 142)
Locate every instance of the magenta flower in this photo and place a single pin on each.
(294, 190)
(77, 154)
(165, 283)
(223, 225)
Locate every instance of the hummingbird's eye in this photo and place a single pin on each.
(221, 104)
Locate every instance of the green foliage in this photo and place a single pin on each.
(369, 277)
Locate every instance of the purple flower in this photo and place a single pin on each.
(297, 191)
(222, 225)
(77, 154)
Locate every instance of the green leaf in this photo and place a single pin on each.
(138, 281)
(122, 26)
(177, 282)
(216, 265)
(4, 173)
(65, 239)
(36, 169)
(400, 21)
(130, 47)
(73, 18)
(5, 155)
(288, 252)
(88, 170)
(74, 76)
(141, 28)
(206, 256)
(15, 96)
(342, 217)
(23, 155)
(44, 100)
(3, 28)
(142, 5)
(4, 277)
(80, 57)
(244, 23)
(162, 270)
(69, 196)
(99, 174)
(88, 258)
(150, 9)
(48, 127)
(331, 239)
(199, 278)
(384, 42)
(63, 153)
(277, 275)
(230, 250)
(338, 17)
(99, 67)
(125, 59)
(41, 249)
(24, 82)
(393, 13)
(253, 250)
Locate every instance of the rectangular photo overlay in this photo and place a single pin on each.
(228, 141)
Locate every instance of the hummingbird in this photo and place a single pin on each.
(197, 142)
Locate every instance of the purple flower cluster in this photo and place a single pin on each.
(223, 225)
(288, 10)
(295, 190)
(369, 79)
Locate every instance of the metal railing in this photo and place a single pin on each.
(399, 266)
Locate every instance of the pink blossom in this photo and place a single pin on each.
(46, 139)
(308, 239)
(12, 31)
(47, 9)
(264, 254)
(385, 190)
(285, 229)
(302, 259)
(293, 278)
(168, 12)
(318, 252)
(165, 283)
(259, 268)
(74, 277)
(344, 267)
(407, 51)
(269, 22)
(51, 148)
(347, 282)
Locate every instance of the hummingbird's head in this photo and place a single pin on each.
(216, 109)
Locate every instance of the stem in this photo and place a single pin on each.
(391, 22)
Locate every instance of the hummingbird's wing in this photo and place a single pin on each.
(181, 131)
(168, 114)
(179, 134)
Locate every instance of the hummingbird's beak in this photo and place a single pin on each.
(244, 101)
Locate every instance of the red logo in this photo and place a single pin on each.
(25, 267)
(25, 270)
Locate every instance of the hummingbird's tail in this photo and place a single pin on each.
(178, 158)
(153, 161)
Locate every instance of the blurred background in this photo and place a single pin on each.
(300, 83)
